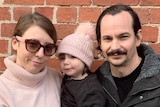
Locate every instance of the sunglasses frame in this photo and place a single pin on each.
(19, 38)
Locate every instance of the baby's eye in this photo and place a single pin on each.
(61, 57)
(72, 57)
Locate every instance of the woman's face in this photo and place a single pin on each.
(32, 62)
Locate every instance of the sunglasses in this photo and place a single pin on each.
(33, 46)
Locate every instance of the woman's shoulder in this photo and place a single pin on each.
(5, 87)
(55, 74)
(53, 71)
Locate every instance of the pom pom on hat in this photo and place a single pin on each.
(80, 43)
(86, 28)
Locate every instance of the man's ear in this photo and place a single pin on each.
(139, 34)
(139, 37)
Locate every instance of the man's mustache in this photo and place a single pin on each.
(119, 52)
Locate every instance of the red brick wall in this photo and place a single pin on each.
(66, 14)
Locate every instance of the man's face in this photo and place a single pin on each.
(118, 41)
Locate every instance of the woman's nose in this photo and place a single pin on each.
(40, 52)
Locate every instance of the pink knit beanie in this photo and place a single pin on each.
(80, 43)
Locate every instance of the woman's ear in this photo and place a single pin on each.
(14, 43)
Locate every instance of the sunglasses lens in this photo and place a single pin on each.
(32, 45)
(50, 49)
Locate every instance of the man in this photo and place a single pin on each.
(130, 75)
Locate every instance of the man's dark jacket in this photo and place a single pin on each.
(146, 88)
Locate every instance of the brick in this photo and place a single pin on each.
(5, 14)
(66, 15)
(156, 48)
(96, 64)
(30, 2)
(54, 63)
(149, 34)
(7, 29)
(46, 11)
(112, 2)
(64, 30)
(19, 11)
(89, 14)
(4, 46)
(155, 16)
(2, 66)
(149, 2)
(68, 2)
(143, 14)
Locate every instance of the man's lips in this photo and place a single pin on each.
(116, 56)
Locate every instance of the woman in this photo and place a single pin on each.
(27, 81)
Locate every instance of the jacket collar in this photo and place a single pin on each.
(151, 65)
